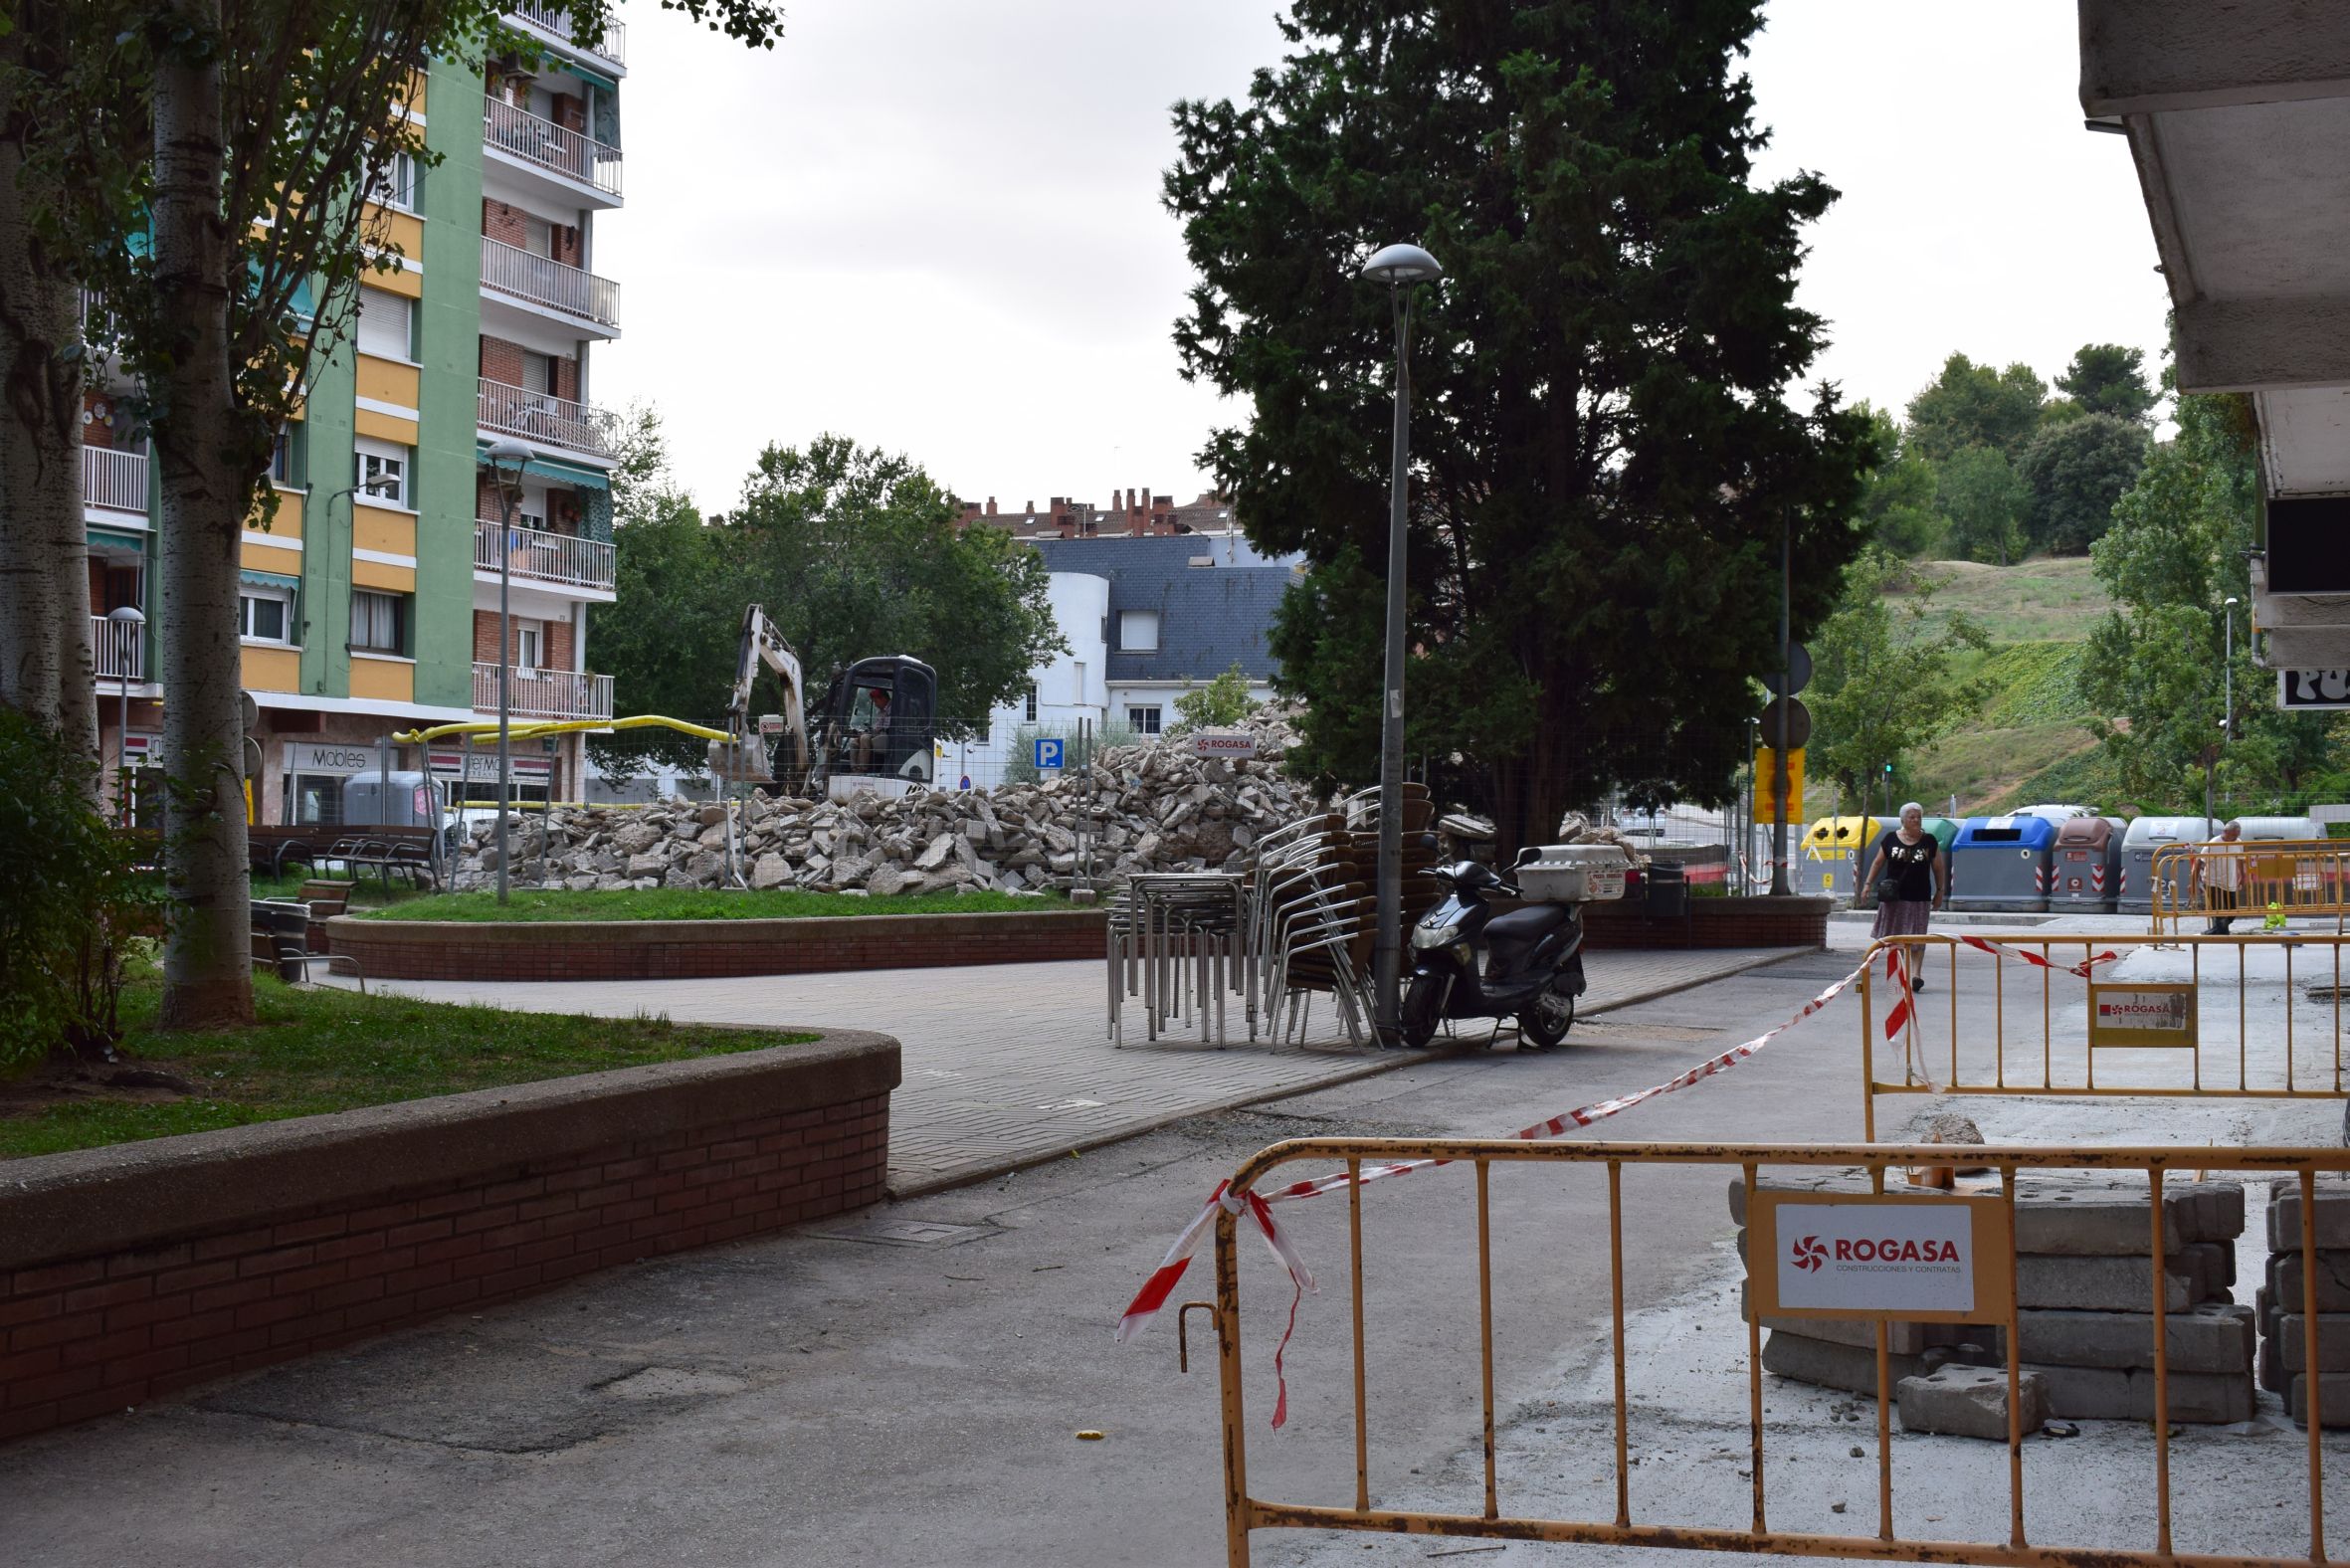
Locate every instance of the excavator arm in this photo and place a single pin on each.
(763, 647)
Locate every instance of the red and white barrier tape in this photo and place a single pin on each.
(1160, 1286)
(2081, 970)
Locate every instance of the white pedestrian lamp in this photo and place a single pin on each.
(1399, 267)
(508, 458)
(128, 615)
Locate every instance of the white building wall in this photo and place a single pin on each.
(1073, 686)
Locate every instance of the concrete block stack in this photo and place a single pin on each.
(2085, 1303)
(2285, 1337)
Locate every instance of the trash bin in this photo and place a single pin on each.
(2085, 866)
(283, 924)
(2145, 837)
(2285, 879)
(1824, 865)
(2002, 863)
(1667, 891)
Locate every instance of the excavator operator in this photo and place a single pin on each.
(868, 740)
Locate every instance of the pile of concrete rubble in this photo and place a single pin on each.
(1146, 808)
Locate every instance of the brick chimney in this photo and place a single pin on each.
(991, 505)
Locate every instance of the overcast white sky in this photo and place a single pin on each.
(933, 225)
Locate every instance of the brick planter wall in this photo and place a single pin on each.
(699, 949)
(1710, 922)
(127, 1273)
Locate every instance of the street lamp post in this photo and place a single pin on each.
(508, 458)
(124, 615)
(1399, 267)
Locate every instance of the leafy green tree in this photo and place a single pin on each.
(852, 552)
(2075, 471)
(2106, 378)
(1898, 502)
(2153, 671)
(1885, 682)
(1219, 704)
(1986, 502)
(1603, 460)
(227, 217)
(1971, 405)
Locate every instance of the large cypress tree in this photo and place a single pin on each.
(1603, 457)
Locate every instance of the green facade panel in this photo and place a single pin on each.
(449, 341)
(326, 607)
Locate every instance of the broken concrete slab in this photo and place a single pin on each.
(2333, 1281)
(2332, 1210)
(1970, 1401)
(2211, 1337)
(1835, 1366)
(2196, 1272)
(2292, 1342)
(2127, 1394)
(2333, 1399)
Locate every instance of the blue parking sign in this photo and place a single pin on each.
(1047, 753)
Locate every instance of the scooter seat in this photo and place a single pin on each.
(1527, 925)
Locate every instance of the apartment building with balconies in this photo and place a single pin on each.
(372, 585)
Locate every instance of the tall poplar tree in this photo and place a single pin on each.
(1603, 456)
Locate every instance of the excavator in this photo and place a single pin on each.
(875, 729)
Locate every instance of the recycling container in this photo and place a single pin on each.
(2002, 863)
(2145, 837)
(1824, 864)
(2084, 869)
(2286, 879)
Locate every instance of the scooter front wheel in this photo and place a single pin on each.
(1419, 1020)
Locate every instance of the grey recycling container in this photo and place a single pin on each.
(2138, 846)
(2002, 863)
(2084, 869)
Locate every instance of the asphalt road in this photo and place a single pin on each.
(820, 1399)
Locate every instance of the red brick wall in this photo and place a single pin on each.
(658, 950)
(556, 642)
(504, 222)
(501, 361)
(485, 637)
(1711, 922)
(88, 1335)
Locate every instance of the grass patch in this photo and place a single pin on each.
(2051, 599)
(700, 903)
(1985, 768)
(367, 892)
(313, 1051)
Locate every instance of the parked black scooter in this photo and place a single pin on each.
(1533, 968)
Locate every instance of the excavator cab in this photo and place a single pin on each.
(878, 726)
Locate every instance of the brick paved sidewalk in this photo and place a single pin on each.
(1009, 1065)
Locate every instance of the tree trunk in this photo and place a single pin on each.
(207, 971)
(45, 668)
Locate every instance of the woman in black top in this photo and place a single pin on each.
(1913, 860)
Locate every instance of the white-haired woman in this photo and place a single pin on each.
(1911, 876)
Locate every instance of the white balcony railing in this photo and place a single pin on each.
(535, 555)
(543, 280)
(542, 416)
(120, 646)
(571, 153)
(558, 19)
(544, 694)
(116, 481)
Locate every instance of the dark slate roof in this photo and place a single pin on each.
(1208, 615)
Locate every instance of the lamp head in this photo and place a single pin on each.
(1397, 264)
(508, 458)
(2231, 601)
(127, 615)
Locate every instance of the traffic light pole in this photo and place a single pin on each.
(1780, 803)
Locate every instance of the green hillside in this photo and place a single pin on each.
(2030, 741)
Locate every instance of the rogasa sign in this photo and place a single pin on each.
(1864, 1256)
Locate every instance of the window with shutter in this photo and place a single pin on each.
(384, 324)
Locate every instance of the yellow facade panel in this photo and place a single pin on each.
(402, 280)
(273, 668)
(389, 579)
(382, 679)
(392, 532)
(387, 381)
(384, 427)
(280, 515)
(413, 95)
(286, 562)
